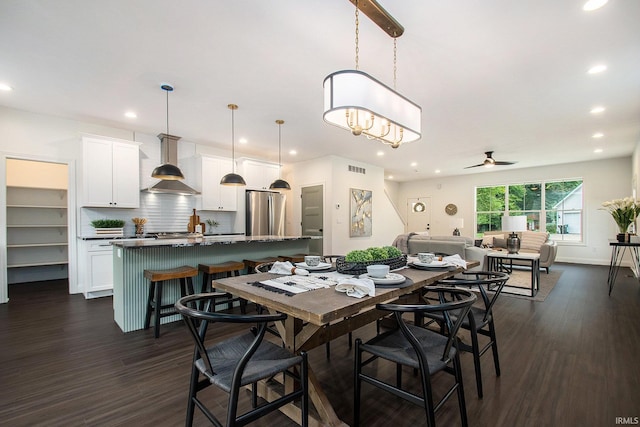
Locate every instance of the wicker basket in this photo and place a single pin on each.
(357, 268)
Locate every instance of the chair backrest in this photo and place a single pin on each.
(460, 301)
(264, 267)
(330, 258)
(198, 321)
(485, 281)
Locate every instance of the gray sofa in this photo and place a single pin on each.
(530, 242)
(413, 243)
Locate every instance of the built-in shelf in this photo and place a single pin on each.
(37, 235)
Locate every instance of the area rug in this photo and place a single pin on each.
(519, 284)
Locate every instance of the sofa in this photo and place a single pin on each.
(413, 243)
(530, 242)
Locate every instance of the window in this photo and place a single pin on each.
(554, 206)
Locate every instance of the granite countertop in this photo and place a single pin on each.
(202, 241)
(148, 236)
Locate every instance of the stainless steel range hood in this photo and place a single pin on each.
(169, 155)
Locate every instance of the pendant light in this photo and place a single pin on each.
(232, 178)
(280, 184)
(167, 171)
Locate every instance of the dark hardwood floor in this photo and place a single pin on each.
(572, 360)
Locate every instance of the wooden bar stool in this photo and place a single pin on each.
(228, 269)
(292, 258)
(252, 263)
(154, 300)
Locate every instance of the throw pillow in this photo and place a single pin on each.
(499, 243)
(487, 241)
(533, 240)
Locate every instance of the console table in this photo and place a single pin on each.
(617, 253)
(503, 261)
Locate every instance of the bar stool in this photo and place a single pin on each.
(228, 269)
(252, 263)
(154, 300)
(292, 258)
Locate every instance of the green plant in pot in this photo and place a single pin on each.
(107, 223)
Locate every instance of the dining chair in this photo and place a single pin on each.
(239, 361)
(479, 320)
(426, 351)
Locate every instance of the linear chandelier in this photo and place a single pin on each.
(355, 101)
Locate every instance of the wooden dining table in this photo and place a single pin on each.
(321, 315)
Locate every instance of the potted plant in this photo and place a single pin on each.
(108, 226)
(356, 261)
(624, 213)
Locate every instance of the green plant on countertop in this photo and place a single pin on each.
(107, 223)
(372, 254)
(212, 223)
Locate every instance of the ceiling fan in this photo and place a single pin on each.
(490, 161)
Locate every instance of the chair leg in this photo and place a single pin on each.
(158, 309)
(357, 383)
(304, 385)
(475, 350)
(328, 349)
(494, 347)
(191, 405)
(461, 401)
(427, 396)
(147, 317)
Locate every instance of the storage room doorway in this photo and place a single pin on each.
(37, 222)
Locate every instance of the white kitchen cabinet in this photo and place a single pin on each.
(37, 247)
(259, 175)
(95, 268)
(216, 197)
(110, 173)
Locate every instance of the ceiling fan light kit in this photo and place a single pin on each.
(490, 162)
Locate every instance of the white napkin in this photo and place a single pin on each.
(357, 288)
(455, 260)
(285, 267)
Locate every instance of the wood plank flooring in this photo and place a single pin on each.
(570, 360)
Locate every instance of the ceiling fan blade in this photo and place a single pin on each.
(475, 166)
(504, 163)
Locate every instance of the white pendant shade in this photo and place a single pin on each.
(352, 97)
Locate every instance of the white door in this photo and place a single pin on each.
(418, 214)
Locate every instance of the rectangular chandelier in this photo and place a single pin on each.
(357, 102)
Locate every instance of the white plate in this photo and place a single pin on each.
(434, 263)
(389, 279)
(321, 266)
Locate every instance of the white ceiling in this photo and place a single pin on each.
(503, 75)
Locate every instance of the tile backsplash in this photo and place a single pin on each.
(164, 212)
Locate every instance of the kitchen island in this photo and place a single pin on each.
(132, 257)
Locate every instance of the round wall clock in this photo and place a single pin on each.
(451, 209)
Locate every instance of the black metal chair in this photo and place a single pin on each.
(239, 361)
(479, 320)
(424, 350)
(264, 267)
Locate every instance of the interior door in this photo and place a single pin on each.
(312, 217)
(419, 214)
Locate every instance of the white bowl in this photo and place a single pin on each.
(378, 270)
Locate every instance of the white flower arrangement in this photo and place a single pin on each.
(624, 212)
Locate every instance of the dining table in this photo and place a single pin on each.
(319, 316)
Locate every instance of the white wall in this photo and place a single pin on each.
(333, 173)
(604, 179)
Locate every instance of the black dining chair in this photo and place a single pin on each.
(426, 351)
(239, 361)
(479, 320)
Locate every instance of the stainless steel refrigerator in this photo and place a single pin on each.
(265, 213)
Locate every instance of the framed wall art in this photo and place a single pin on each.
(360, 210)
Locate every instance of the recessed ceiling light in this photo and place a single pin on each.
(5, 87)
(243, 140)
(598, 150)
(380, 153)
(293, 152)
(593, 5)
(597, 110)
(596, 69)
(414, 164)
(390, 177)
(437, 171)
(131, 114)
(597, 135)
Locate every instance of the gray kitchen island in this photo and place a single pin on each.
(132, 257)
